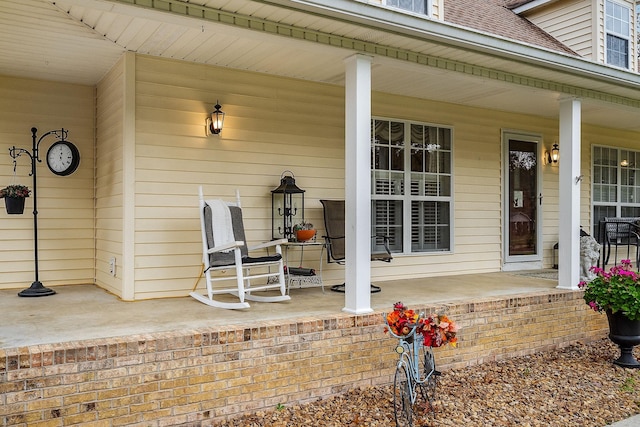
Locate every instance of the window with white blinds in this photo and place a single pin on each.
(411, 185)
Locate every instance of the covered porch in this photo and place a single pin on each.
(82, 312)
(304, 105)
(84, 356)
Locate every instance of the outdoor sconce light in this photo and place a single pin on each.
(215, 120)
(287, 207)
(553, 155)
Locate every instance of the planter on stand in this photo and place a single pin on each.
(305, 235)
(626, 334)
(14, 205)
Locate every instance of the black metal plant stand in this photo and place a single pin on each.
(36, 289)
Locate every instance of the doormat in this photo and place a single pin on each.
(540, 274)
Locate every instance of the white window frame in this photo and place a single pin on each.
(427, 13)
(407, 198)
(611, 32)
(618, 203)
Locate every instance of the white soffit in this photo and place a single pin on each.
(39, 41)
(78, 41)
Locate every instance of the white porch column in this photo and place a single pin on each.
(358, 184)
(569, 209)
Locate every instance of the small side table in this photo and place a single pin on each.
(300, 280)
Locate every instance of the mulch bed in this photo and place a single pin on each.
(573, 386)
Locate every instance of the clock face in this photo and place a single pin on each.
(63, 158)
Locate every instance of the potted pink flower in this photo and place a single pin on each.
(617, 293)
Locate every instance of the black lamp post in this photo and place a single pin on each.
(36, 289)
(287, 207)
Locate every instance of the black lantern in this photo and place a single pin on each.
(287, 207)
(215, 120)
(553, 155)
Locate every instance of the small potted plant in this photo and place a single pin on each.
(14, 196)
(304, 231)
(617, 293)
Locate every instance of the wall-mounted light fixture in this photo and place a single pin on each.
(215, 120)
(553, 155)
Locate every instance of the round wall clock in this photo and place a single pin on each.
(63, 158)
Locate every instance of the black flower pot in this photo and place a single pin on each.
(626, 334)
(14, 205)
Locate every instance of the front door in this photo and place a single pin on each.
(523, 200)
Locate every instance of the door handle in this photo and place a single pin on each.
(540, 198)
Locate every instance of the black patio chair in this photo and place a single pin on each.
(621, 232)
(334, 224)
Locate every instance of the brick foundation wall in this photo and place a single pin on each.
(201, 376)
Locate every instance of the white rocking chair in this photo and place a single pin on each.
(218, 218)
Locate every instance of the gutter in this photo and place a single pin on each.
(461, 37)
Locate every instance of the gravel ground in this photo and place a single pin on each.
(574, 386)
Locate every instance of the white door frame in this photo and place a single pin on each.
(521, 262)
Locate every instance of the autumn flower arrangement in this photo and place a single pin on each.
(303, 226)
(437, 329)
(15, 190)
(617, 290)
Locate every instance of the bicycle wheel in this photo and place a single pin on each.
(403, 408)
(432, 382)
(428, 370)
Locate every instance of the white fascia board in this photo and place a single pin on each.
(532, 6)
(460, 37)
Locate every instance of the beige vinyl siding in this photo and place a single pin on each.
(571, 22)
(580, 25)
(437, 9)
(598, 31)
(275, 124)
(551, 206)
(272, 124)
(109, 185)
(477, 193)
(65, 204)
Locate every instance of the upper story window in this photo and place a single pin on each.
(617, 27)
(416, 6)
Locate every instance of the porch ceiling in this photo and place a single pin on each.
(78, 41)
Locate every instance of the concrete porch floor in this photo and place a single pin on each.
(81, 312)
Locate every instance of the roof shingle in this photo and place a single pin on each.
(495, 17)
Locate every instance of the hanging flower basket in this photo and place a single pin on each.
(14, 205)
(14, 196)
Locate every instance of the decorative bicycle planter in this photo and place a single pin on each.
(415, 379)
